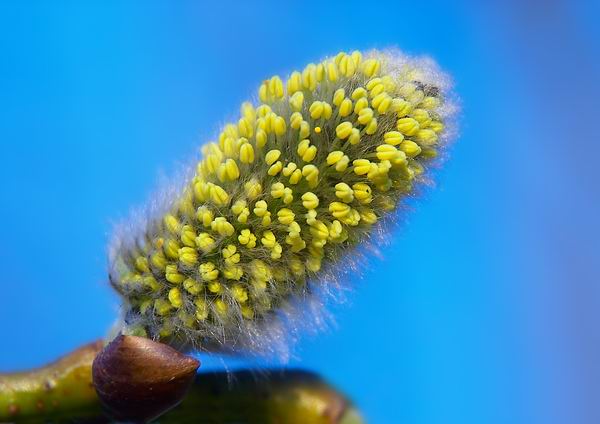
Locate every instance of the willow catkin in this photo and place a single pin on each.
(303, 176)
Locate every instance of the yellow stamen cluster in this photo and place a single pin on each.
(299, 177)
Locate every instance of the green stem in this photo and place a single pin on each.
(63, 392)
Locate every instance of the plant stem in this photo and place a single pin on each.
(62, 392)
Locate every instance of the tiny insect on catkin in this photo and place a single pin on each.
(301, 178)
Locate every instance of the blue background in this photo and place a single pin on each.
(485, 308)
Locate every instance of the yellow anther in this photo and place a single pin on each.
(239, 293)
(297, 267)
(289, 168)
(362, 192)
(231, 169)
(172, 224)
(162, 307)
(344, 130)
(338, 96)
(368, 217)
(159, 260)
(345, 108)
(296, 101)
(316, 109)
(296, 120)
(260, 208)
(386, 152)
(247, 111)
(253, 189)
(285, 216)
(411, 148)
(377, 90)
(310, 200)
(332, 72)
(276, 87)
(430, 103)
(245, 127)
(279, 126)
(246, 238)
(272, 156)
(218, 195)
(389, 83)
(422, 117)
(222, 226)
(407, 126)
(311, 173)
(334, 157)
(358, 93)
(296, 176)
(260, 270)
(172, 275)
(319, 230)
(192, 286)
(141, 264)
(352, 218)
(355, 135)
(214, 287)
(401, 107)
(230, 254)
(318, 130)
(365, 115)
(188, 256)
(231, 147)
(202, 191)
(238, 206)
(436, 126)
(175, 297)
(288, 196)
(361, 166)
(208, 271)
(338, 209)
(201, 312)
(246, 153)
(263, 110)
(309, 77)
(335, 231)
(275, 168)
(261, 138)
(306, 151)
(304, 130)
(427, 137)
(320, 72)
(294, 83)
(221, 308)
(233, 272)
(370, 67)
(347, 66)
(393, 138)
(268, 239)
(205, 242)
(277, 190)
(171, 248)
(311, 215)
(361, 104)
(313, 264)
(344, 192)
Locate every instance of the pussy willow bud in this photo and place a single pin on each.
(304, 175)
(138, 379)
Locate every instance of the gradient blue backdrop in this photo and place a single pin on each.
(485, 308)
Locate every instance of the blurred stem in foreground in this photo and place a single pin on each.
(63, 392)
